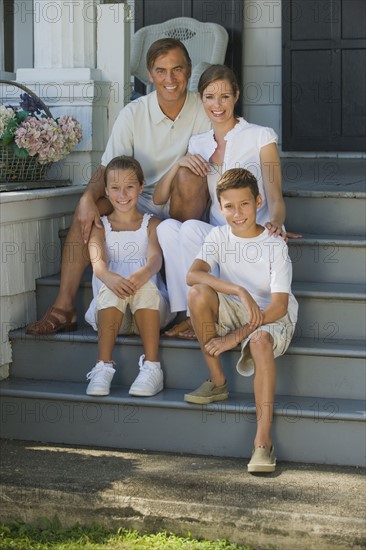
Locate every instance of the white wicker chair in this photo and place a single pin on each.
(206, 44)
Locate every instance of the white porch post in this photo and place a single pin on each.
(67, 79)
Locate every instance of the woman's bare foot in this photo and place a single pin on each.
(183, 329)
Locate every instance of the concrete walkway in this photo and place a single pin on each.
(300, 506)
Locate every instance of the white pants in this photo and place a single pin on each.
(180, 243)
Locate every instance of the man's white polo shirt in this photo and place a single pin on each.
(143, 131)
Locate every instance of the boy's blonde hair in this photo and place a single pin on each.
(125, 163)
(237, 178)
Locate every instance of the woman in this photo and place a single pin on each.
(231, 143)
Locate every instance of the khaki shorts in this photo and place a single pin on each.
(147, 297)
(232, 315)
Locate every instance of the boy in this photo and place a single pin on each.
(251, 303)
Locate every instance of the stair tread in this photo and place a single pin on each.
(308, 346)
(346, 291)
(341, 240)
(335, 409)
(324, 177)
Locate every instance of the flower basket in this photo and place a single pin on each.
(31, 139)
(14, 169)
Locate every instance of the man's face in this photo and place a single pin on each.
(170, 75)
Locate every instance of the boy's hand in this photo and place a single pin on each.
(255, 315)
(216, 346)
(118, 285)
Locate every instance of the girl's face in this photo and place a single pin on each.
(219, 101)
(123, 189)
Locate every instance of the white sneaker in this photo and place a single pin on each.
(149, 380)
(100, 379)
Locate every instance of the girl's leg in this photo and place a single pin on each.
(204, 307)
(109, 322)
(261, 349)
(148, 324)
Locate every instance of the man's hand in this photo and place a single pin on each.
(87, 214)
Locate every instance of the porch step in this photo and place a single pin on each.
(328, 258)
(326, 310)
(325, 195)
(307, 430)
(311, 367)
(330, 311)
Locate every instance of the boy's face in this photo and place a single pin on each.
(240, 210)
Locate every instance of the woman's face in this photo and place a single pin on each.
(219, 101)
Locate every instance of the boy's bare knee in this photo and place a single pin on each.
(198, 296)
(260, 342)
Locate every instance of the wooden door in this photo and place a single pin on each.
(324, 75)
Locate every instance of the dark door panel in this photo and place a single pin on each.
(324, 75)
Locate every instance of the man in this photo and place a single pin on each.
(155, 129)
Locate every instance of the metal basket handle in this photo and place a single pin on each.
(29, 92)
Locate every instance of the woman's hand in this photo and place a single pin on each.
(275, 229)
(197, 164)
(87, 214)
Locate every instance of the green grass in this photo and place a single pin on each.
(48, 534)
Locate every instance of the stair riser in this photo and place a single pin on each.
(297, 375)
(207, 430)
(318, 318)
(330, 320)
(327, 263)
(326, 215)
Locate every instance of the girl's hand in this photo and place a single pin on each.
(255, 315)
(197, 164)
(123, 288)
(138, 278)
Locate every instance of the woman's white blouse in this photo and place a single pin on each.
(244, 143)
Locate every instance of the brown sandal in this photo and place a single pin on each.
(51, 322)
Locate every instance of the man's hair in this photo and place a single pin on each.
(237, 178)
(162, 47)
(217, 72)
(125, 163)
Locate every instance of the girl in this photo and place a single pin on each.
(231, 143)
(128, 296)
